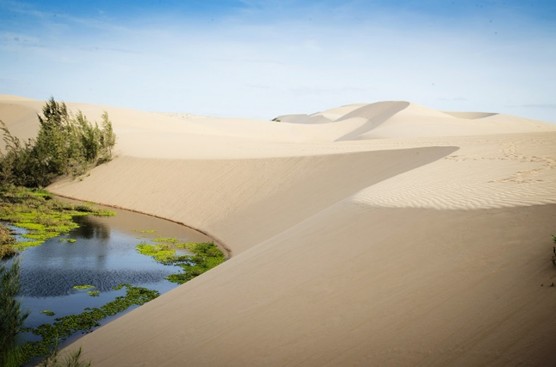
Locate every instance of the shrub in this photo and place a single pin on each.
(65, 145)
(7, 242)
(11, 316)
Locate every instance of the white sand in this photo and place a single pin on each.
(385, 234)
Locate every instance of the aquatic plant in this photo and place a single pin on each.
(162, 253)
(83, 286)
(94, 293)
(202, 256)
(42, 216)
(48, 312)
(205, 257)
(66, 326)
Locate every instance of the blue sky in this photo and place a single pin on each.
(253, 58)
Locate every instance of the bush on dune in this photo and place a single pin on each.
(65, 145)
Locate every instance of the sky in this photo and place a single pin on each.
(260, 59)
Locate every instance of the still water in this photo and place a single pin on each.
(103, 256)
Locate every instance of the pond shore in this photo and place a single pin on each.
(134, 226)
(392, 234)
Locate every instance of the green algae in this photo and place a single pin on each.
(82, 287)
(64, 327)
(42, 216)
(200, 256)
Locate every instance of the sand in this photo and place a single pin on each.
(383, 234)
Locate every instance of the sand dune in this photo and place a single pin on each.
(471, 115)
(371, 234)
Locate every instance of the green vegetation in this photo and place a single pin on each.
(162, 252)
(11, 322)
(48, 312)
(66, 326)
(7, 242)
(94, 293)
(11, 316)
(82, 287)
(202, 256)
(42, 216)
(65, 145)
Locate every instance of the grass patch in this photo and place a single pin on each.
(64, 327)
(48, 312)
(40, 215)
(202, 256)
(94, 293)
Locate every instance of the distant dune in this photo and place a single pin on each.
(382, 234)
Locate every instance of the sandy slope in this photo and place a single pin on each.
(381, 234)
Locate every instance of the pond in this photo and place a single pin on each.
(100, 253)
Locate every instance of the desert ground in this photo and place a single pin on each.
(379, 234)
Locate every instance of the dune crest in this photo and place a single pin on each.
(471, 115)
(369, 234)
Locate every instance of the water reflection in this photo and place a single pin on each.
(102, 255)
(90, 228)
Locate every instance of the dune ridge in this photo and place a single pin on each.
(368, 234)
